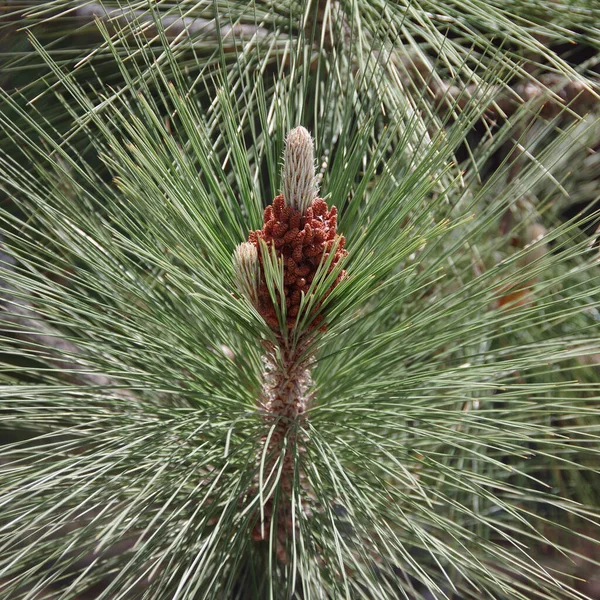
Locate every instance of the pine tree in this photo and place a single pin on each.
(298, 301)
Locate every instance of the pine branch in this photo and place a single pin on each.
(173, 26)
(414, 419)
(550, 93)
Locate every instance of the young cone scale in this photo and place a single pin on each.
(301, 231)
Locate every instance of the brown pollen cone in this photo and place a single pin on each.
(304, 241)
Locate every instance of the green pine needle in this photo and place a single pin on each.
(450, 446)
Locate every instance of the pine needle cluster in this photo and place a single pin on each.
(217, 385)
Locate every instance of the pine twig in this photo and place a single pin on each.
(174, 26)
(553, 93)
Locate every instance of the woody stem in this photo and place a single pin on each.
(284, 396)
(283, 401)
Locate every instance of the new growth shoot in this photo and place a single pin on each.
(279, 271)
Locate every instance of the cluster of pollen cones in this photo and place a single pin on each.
(304, 241)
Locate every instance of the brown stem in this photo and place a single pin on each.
(552, 92)
(174, 26)
(283, 401)
(328, 21)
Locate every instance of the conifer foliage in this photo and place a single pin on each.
(298, 300)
